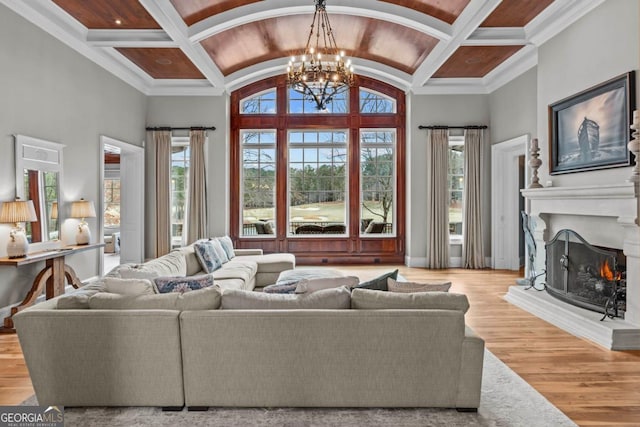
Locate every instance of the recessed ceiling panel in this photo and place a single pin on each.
(515, 13)
(445, 10)
(475, 61)
(111, 14)
(385, 42)
(162, 63)
(193, 11)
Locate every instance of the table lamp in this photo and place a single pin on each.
(16, 212)
(83, 209)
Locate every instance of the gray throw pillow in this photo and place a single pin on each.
(183, 284)
(207, 255)
(379, 283)
(227, 245)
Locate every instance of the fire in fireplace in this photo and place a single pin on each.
(585, 275)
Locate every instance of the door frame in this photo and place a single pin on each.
(505, 193)
(134, 177)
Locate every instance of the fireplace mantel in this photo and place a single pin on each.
(606, 213)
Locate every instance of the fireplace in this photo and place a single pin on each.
(585, 275)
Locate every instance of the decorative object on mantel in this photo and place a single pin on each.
(322, 71)
(590, 130)
(16, 212)
(83, 209)
(535, 163)
(634, 147)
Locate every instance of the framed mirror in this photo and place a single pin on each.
(38, 178)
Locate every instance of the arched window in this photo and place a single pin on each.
(325, 185)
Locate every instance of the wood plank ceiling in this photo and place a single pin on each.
(235, 35)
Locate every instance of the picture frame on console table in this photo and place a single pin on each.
(590, 130)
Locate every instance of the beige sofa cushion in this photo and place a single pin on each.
(171, 264)
(366, 299)
(271, 263)
(116, 285)
(193, 265)
(79, 298)
(406, 287)
(313, 285)
(327, 299)
(202, 299)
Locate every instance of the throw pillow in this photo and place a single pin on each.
(227, 245)
(287, 288)
(395, 286)
(222, 254)
(380, 282)
(129, 286)
(183, 284)
(313, 285)
(202, 299)
(366, 299)
(326, 299)
(207, 256)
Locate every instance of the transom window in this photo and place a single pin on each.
(376, 103)
(263, 103)
(299, 105)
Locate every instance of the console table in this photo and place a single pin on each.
(51, 278)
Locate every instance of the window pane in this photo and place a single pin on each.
(179, 183)
(299, 105)
(456, 187)
(377, 182)
(376, 103)
(263, 103)
(317, 184)
(258, 182)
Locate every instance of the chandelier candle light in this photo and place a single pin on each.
(16, 212)
(322, 71)
(83, 209)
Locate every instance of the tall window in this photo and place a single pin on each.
(456, 184)
(112, 202)
(312, 182)
(377, 182)
(179, 188)
(258, 182)
(317, 182)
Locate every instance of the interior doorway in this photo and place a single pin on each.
(121, 222)
(508, 176)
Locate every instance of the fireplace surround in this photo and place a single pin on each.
(605, 216)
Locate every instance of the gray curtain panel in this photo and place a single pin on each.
(472, 246)
(197, 198)
(162, 143)
(438, 199)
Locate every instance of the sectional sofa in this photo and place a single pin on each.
(218, 347)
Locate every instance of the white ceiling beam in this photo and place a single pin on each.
(129, 38)
(468, 21)
(505, 36)
(555, 18)
(276, 8)
(168, 18)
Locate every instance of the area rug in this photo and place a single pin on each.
(507, 400)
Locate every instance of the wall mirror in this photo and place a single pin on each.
(38, 178)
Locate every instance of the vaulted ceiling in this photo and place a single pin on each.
(204, 47)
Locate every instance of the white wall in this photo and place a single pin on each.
(49, 91)
(450, 110)
(600, 46)
(177, 111)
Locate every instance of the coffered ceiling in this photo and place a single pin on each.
(205, 47)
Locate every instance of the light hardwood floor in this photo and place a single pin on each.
(591, 385)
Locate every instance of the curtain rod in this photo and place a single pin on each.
(452, 127)
(182, 128)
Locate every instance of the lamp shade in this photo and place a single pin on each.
(83, 209)
(54, 210)
(18, 211)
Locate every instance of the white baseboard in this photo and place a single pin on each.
(417, 262)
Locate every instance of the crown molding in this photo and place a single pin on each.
(129, 38)
(454, 86)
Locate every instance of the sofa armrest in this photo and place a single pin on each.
(241, 252)
(471, 363)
